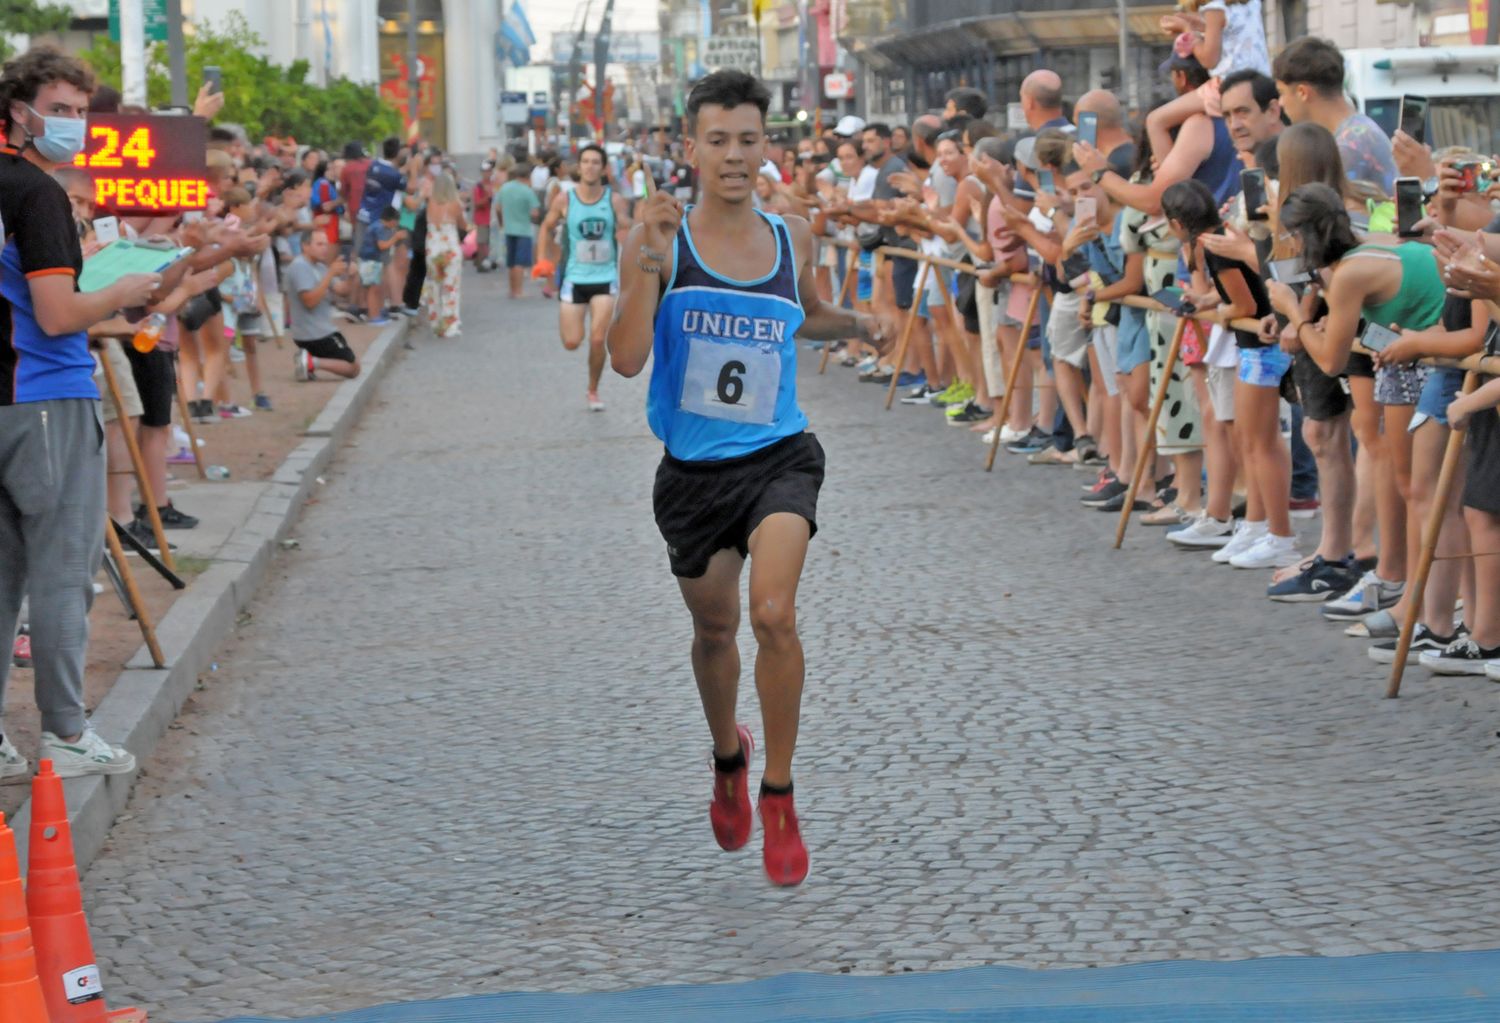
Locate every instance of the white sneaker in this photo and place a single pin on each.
(1205, 531)
(1492, 671)
(1009, 436)
(1270, 551)
(12, 764)
(89, 755)
(1245, 535)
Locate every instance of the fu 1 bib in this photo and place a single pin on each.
(594, 253)
(730, 381)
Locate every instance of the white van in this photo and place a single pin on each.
(1462, 83)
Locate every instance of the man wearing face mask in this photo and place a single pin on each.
(51, 436)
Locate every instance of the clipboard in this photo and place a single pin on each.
(123, 257)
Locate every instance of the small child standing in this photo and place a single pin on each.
(245, 304)
(311, 279)
(374, 255)
(484, 198)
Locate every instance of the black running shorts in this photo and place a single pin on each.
(331, 347)
(705, 507)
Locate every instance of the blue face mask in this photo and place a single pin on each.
(62, 137)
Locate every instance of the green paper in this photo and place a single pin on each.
(120, 258)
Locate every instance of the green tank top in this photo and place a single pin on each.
(593, 256)
(1419, 302)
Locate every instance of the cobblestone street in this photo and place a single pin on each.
(457, 748)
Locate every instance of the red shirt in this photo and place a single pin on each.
(352, 183)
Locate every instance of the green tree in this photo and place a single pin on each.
(263, 97)
(29, 17)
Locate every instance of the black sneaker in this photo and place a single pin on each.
(144, 535)
(1111, 490)
(1117, 503)
(202, 410)
(1034, 441)
(970, 413)
(1320, 581)
(1461, 657)
(1088, 451)
(918, 395)
(1423, 640)
(171, 518)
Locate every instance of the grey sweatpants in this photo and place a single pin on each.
(51, 545)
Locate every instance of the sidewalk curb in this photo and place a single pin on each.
(145, 700)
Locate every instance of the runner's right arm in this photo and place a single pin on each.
(645, 263)
(555, 211)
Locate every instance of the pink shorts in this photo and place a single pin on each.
(1208, 92)
(1020, 298)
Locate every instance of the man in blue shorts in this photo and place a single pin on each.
(596, 219)
(718, 292)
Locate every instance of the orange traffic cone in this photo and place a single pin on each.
(20, 990)
(64, 953)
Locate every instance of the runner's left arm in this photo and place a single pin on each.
(823, 321)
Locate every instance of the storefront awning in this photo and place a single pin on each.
(1009, 35)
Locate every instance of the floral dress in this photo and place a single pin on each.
(1180, 428)
(440, 292)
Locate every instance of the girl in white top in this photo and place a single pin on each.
(1226, 36)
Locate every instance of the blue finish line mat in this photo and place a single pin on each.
(1430, 987)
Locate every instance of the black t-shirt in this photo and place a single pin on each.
(41, 239)
(1218, 265)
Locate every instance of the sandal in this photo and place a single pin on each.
(1167, 515)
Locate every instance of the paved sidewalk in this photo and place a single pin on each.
(458, 748)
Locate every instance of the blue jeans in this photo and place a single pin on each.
(1304, 466)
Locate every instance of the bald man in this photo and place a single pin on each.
(1042, 101)
(1113, 140)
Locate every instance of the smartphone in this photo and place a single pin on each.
(1414, 117)
(1477, 174)
(1088, 127)
(1047, 184)
(1289, 271)
(1376, 337)
(1172, 298)
(1253, 185)
(214, 78)
(1086, 210)
(1408, 206)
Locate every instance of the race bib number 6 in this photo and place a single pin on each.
(734, 382)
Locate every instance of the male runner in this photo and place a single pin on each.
(718, 292)
(597, 218)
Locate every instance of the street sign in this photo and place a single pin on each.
(513, 108)
(145, 164)
(742, 53)
(156, 20)
(838, 85)
(624, 47)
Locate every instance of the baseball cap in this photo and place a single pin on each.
(1026, 153)
(849, 126)
(1182, 58)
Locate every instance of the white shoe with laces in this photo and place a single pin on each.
(1244, 537)
(1270, 551)
(1203, 532)
(12, 764)
(90, 754)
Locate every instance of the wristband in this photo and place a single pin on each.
(652, 254)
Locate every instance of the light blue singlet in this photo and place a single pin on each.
(725, 380)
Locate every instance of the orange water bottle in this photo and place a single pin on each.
(149, 332)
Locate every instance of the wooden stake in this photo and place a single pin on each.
(142, 614)
(1148, 450)
(911, 320)
(851, 271)
(187, 424)
(1014, 372)
(1433, 528)
(136, 461)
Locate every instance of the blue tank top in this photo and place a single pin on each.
(725, 380)
(1221, 170)
(592, 254)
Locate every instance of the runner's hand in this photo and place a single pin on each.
(661, 214)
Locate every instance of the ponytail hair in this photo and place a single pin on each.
(1315, 213)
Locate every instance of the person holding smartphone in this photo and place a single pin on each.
(1395, 286)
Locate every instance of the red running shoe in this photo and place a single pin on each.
(785, 855)
(21, 654)
(729, 812)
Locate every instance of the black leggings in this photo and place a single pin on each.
(416, 272)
